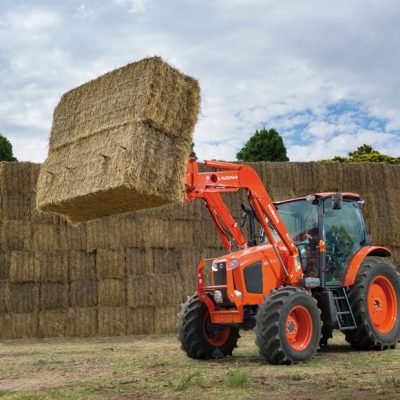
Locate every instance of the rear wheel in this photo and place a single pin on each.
(199, 337)
(375, 301)
(288, 326)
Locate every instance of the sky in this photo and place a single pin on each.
(325, 74)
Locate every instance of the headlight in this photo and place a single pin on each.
(214, 266)
(234, 263)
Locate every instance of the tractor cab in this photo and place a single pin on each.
(326, 228)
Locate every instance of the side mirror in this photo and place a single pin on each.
(337, 201)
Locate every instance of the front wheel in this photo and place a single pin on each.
(199, 337)
(288, 327)
(375, 301)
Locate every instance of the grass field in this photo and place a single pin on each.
(154, 367)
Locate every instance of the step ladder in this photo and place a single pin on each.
(345, 317)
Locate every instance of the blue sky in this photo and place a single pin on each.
(324, 74)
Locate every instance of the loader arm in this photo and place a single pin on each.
(230, 177)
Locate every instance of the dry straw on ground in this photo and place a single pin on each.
(120, 142)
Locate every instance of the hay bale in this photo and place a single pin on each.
(138, 261)
(111, 293)
(112, 321)
(120, 143)
(24, 297)
(83, 294)
(5, 259)
(45, 237)
(141, 321)
(15, 235)
(154, 290)
(53, 296)
(72, 237)
(18, 205)
(82, 265)
(53, 266)
(166, 319)
(24, 267)
(52, 323)
(17, 326)
(81, 322)
(110, 263)
(18, 177)
(4, 296)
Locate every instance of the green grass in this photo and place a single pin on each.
(236, 378)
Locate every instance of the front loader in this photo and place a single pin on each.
(308, 269)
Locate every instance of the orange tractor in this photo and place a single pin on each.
(309, 268)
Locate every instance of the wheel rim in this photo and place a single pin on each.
(299, 328)
(215, 335)
(382, 304)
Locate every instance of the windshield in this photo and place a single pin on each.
(300, 218)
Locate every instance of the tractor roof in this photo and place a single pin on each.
(346, 195)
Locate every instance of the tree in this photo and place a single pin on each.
(367, 153)
(192, 152)
(6, 151)
(264, 145)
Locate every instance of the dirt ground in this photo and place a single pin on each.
(154, 367)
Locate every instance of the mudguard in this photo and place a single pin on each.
(353, 264)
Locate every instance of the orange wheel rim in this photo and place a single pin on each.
(382, 304)
(299, 328)
(215, 335)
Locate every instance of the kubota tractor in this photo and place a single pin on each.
(309, 269)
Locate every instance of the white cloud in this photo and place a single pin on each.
(134, 6)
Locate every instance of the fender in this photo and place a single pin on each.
(358, 257)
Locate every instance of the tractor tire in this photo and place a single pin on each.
(201, 339)
(375, 301)
(288, 326)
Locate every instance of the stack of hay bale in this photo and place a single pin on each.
(127, 274)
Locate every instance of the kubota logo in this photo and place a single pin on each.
(273, 213)
(228, 177)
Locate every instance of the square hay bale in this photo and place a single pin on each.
(53, 296)
(23, 267)
(166, 319)
(52, 323)
(141, 321)
(154, 290)
(81, 322)
(112, 321)
(18, 177)
(5, 259)
(45, 237)
(53, 266)
(4, 296)
(24, 297)
(139, 261)
(17, 326)
(72, 237)
(112, 293)
(83, 294)
(120, 142)
(18, 205)
(15, 235)
(110, 263)
(105, 232)
(82, 265)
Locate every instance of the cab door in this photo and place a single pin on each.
(344, 231)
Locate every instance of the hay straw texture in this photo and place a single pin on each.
(120, 142)
(127, 274)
